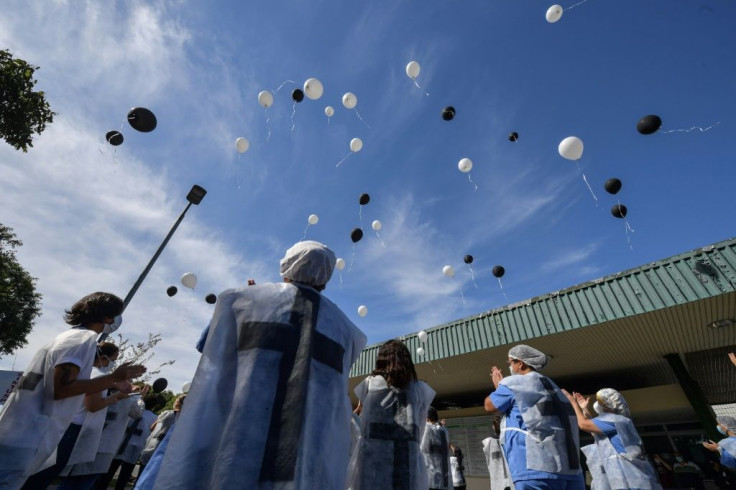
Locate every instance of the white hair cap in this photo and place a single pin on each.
(308, 262)
(727, 421)
(531, 356)
(614, 401)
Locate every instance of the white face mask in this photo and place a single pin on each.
(117, 321)
(598, 408)
(511, 370)
(106, 369)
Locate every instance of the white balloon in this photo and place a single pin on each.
(349, 100)
(189, 279)
(376, 225)
(356, 144)
(313, 88)
(242, 145)
(265, 98)
(313, 219)
(554, 13)
(412, 70)
(329, 111)
(422, 336)
(340, 264)
(185, 387)
(571, 148)
(448, 271)
(465, 165)
(420, 351)
(362, 310)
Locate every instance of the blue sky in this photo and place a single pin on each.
(91, 216)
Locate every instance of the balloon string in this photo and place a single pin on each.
(287, 81)
(379, 237)
(585, 179)
(328, 120)
(472, 276)
(420, 88)
(358, 114)
(471, 181)
(352, 259)
(462, 296)
(360, 215)
(340, 278)
(573, 6)
(293, 111)
(305, 233)
(502, 291)
(268, 126)
(340, 162)
(692, 129)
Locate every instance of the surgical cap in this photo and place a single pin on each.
(531, 356)
(308, 262)
(727, 421)
(614, 401)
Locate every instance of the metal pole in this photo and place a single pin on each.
(145, 272)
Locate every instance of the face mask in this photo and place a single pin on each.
(511, 370)
(117, 321)
(721, 430)
(598, 408)
(679, 459)
(106, 369)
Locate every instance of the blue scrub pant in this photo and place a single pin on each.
(549, 484)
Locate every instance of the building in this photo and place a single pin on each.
(660, 333)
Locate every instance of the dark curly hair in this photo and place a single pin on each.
(94, 308)
(394, 363)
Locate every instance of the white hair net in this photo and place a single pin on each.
(531, 356)
(614, 401)
(727, 421)
(308, 262)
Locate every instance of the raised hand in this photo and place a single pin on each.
(581, 400)
(568, 396)
(732, 356)
(128, 371)
(496, 375)
(710, 445)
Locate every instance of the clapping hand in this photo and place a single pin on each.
(581, 400)
(496, 376)
(732, 356)
(710, 445)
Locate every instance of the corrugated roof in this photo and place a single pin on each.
(699, 274)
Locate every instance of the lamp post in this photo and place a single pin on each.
(195, 196)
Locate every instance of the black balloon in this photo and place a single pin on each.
(364, 199)
(115, 138)
(297, 95)
(619, 211)
(141, 119)
(468, 259)
(612, 185)
(171, 290)
(649, 124)
(448, 113)
(514, 136)
(159, 385)
(499, 271)
(211, 299)
(356, 235)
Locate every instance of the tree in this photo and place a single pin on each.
(140, 353)
(20, 304)
(22, 111)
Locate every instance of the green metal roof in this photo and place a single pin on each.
(702, 273)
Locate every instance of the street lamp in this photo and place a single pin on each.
(195, 196)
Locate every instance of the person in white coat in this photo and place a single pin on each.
(49, 394)
(436, 450)
(267, 405)
(619, 450)
(394, 410)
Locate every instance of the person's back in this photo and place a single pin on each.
(267, 404)
(436, 451)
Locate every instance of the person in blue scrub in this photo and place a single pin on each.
(618, 448)
(726, 448)
(539, 433)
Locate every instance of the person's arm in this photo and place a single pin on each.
(584, 424)
(732, 356)
(658, 459)
(67, 385)
(712, 446)
(94, 402)
(496, 377)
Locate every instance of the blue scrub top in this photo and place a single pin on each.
(727, 459)
(514, 446)
(609, 430)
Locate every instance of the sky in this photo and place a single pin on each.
(91, 215)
